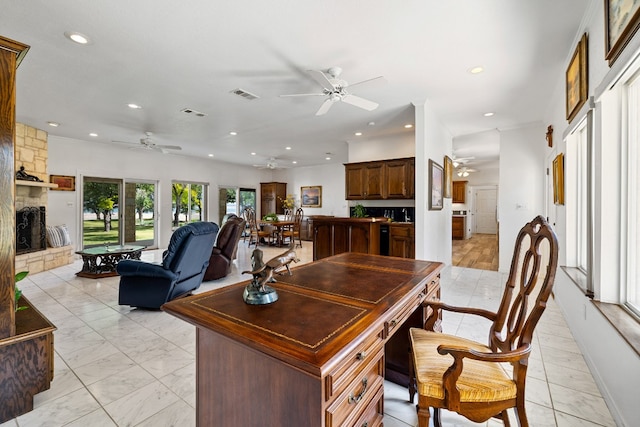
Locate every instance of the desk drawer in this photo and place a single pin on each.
(359, 394)
(352, 365)
(399, 316)
(374, 413)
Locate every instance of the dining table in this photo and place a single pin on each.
(279, 227)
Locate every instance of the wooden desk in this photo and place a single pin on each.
(315, 357)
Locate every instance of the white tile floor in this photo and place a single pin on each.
(117, 366)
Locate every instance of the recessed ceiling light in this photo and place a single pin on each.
(488, 114)
(233, 133)
(77, 37)
(371, 123)
(287, 148)
(54, 124)
(253, 154)
(476, 70)
(358, 133)
(327, 158)
(210, 155)
(134, 106)
(294, 162)
(408, 126)
(93, 134)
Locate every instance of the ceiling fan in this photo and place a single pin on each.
(457, 161)
(147, 144)
(465, 171)
(335, 90)
(272, 163)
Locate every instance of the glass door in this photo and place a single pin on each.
(100, 208)
(139, 213)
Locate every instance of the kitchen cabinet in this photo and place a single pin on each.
(335, 235)
(270, 195)
(306, 229)
(402, 240)
(385, 179)
(459, 191)
(458, 225)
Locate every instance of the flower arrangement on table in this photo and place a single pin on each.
(288, 203)
(270, 217)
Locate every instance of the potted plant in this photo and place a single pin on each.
(359, 211)
(270, 217)
(18, 292)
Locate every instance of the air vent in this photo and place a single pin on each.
(192, 111)
(243, 93)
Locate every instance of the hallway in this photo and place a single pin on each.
(480, 251)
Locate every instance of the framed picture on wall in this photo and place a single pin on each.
(558, 179)
(448, 177)
(436, 179)
(621, 22)
(576, 79)
(311, 197)
(65, 183)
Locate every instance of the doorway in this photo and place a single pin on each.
(117, 212)
(100, 211)
(485, 202)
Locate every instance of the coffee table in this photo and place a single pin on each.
(101, 261)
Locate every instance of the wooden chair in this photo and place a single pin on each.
(294, 232)
(255, 233)
(469, 378)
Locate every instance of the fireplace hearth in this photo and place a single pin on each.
(31, 229)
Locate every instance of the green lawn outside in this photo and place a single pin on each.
(94, 233)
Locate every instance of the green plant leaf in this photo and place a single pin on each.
(21, 275)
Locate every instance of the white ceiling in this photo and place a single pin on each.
(169, 55)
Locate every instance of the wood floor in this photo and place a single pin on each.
(480, 251)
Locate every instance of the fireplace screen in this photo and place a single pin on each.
(31, 230)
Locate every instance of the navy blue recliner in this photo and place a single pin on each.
(149, 285)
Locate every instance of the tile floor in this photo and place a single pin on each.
(118, 366)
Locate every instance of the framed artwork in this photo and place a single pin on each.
(621, 21)
(448, 177)
(576, 79)
(558, 179)
(436, 179)
(311, 197)
(65, 183)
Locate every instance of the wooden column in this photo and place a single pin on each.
(11, 53)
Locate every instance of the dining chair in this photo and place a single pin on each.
(294, 232)
(256, 235)
(470, 378)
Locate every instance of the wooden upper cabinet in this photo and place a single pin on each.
(386, 179)
(459, 191)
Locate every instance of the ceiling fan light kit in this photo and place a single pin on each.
(335, 89)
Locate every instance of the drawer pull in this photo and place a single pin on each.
(393, 323)
(361, 355)
(358, 398)
(365, 424)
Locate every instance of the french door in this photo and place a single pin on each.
(117, 212)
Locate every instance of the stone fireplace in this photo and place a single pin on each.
(31, 151)
(31, 229)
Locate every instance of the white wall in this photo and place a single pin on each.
(615, 366)
(330, 177)
(433, 228)
(82, 158)
(522, 184)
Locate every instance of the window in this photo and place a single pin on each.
(188, 201)
(631, 295)
(579, 211)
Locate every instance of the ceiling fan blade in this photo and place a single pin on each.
(169, 147)
(374, 82)
(360, 102)
(324, 107)
(303, 94)
(321, 78)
